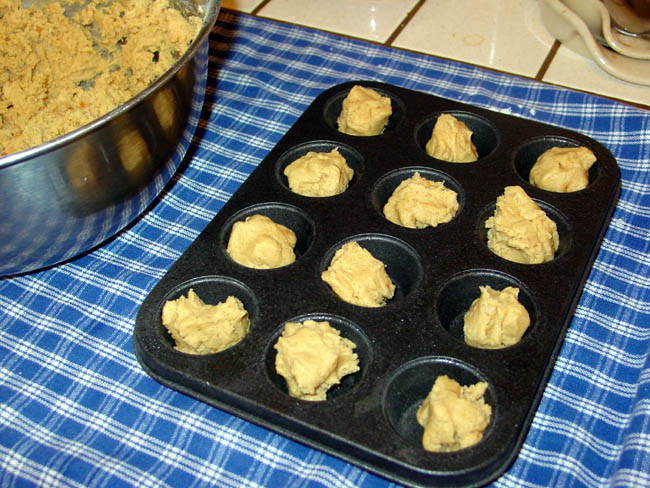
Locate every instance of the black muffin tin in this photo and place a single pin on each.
(369, 419)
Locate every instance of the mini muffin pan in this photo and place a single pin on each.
(369, 419)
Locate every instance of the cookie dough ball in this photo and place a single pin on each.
(418, 203)
(453, 416)
(365, 112)
(451, 140)
(562, 169)
(357, 277)
(312, 357)
(496, 319)
(260, 243)
(199, 328)
(520, 231)
(319, 174)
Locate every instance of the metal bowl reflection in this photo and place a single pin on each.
(74, 192)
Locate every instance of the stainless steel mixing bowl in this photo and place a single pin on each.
(69, 195)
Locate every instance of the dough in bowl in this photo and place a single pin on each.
(259, 242)
(312, 357)
(59, 71)
(364, 113)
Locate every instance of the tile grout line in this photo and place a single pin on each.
(260, 7)
(402, 25)
(547, 61)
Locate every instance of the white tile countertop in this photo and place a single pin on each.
(504, 35)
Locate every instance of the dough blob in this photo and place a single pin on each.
(319, 174)
(259, 242)
(199, 328)
(453, 416)
(59, 72)
(357, 277)
(365, 112)
(312, 357)
(451, 140)
(418, 203)
(520, 231)
(562, 169)
(496, 319)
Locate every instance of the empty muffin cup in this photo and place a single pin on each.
(348, 330)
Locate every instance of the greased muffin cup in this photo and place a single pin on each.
(369, 419)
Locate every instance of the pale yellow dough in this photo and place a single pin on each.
(419, 203)
(357, 277)
(259, 242)
(319, 174)
(520, 231)
(365, 112)
(496, 319)
(451, 140)
(562, 169)
(60, 72)
(200, 328)
(453, 416)
(312, 357)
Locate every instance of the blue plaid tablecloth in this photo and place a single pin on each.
(77, 410)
